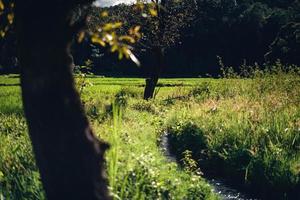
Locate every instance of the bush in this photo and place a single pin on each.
(186, 135)
(121, 98)
(146, 106)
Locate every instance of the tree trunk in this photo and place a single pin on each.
(155, 73)
(150, 87)
(152, 81)
(68, 155)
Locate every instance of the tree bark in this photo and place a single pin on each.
(70, 158)
(155, 73)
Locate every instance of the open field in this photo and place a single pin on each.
(245, 130)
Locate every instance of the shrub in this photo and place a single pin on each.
(186, 135)
(146, 106)
(121, 98)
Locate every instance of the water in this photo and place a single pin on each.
(225, 191)
(219, 186)
(164, 145)
(107, 3)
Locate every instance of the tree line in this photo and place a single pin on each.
(238, 31)
(196, 32)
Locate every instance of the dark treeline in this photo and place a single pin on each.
(238, 31)
(241, 31)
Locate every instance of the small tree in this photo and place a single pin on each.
(161, 30)
(160, 22)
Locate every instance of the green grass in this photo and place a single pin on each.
(10, 101)
(137, 168)
(246, 130)
(19, 177)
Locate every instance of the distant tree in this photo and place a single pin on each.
(161, 24)
(69, 156)
(161, 31)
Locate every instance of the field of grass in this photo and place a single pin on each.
(245, 130)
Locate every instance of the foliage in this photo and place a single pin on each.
(82, 72)
(238, 31)
(146, 106)
(8, 52)
(186, 136)
(152, 30)
(197, 31)
(162, 28)
(106, 34)
(6, 16)
(286, 46)
(121, 98)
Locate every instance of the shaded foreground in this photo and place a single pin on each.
(245, 130)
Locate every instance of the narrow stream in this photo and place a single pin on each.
(225, 191)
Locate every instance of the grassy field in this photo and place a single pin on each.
(246, 130)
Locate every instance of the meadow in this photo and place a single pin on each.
(245, 129)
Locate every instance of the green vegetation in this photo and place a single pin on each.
(247, 130)
(136, 166)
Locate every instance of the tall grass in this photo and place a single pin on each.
(19, 177)
(246, 130)
(115, 142)
(137, 169)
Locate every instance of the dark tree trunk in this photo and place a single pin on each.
(69, 156)
(155, 73)
(150, 87)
